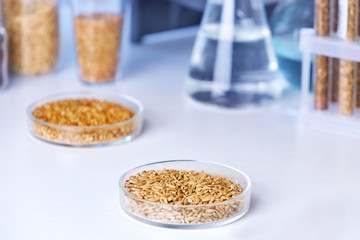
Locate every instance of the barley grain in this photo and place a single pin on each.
(191, 204)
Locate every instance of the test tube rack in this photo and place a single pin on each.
(330, 119)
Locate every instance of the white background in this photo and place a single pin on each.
(305, 182)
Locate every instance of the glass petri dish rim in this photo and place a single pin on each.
(244, 193)
(85, 95)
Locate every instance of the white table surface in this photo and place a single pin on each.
(305, 182)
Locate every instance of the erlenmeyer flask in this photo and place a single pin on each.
(233, 63)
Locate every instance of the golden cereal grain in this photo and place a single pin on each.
(321, 83)
(346, 87)
(98, 39)
(77, 121)
(188, 197)
(322, 27)
(322, 18)
(33, 35)
(347, 68)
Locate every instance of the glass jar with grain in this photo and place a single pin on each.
(33, 30)
(98, 31)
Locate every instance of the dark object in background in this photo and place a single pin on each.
(3, 59)
(152, 16)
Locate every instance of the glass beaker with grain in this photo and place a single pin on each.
(98, 31)
(33, 30)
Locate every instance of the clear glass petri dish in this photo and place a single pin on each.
(187, 216)
(86, 136)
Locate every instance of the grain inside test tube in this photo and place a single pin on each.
(322, 27)
(347, 21)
